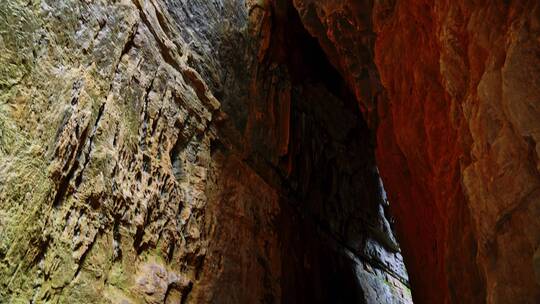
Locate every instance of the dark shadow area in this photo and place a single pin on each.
(294, 123)
(337, 244)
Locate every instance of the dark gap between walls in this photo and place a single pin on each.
(333, 223)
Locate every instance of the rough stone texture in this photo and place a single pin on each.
(183, 151)
(453, 90)
(105, 154)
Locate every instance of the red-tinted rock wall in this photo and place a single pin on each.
(457, 120)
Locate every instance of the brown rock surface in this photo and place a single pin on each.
(159, 151)
(457, 134)
(156, 151)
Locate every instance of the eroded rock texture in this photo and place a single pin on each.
(453, 90)
(159, 151)
(183, 152)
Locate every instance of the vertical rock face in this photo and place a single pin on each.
(165, 151)
(454, 94)
(183, 151)
(106, 134)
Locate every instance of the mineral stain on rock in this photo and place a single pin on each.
(234, 151)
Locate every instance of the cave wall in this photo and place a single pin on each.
(172, 151)
(184, 152)
(452, 89)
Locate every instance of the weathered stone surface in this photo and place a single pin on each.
(95, 132)
(172, 151)
(456, 111)
(183, 151)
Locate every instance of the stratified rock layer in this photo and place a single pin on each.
(454, 92)
(183, 152)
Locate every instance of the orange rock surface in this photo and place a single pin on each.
(454, 94)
